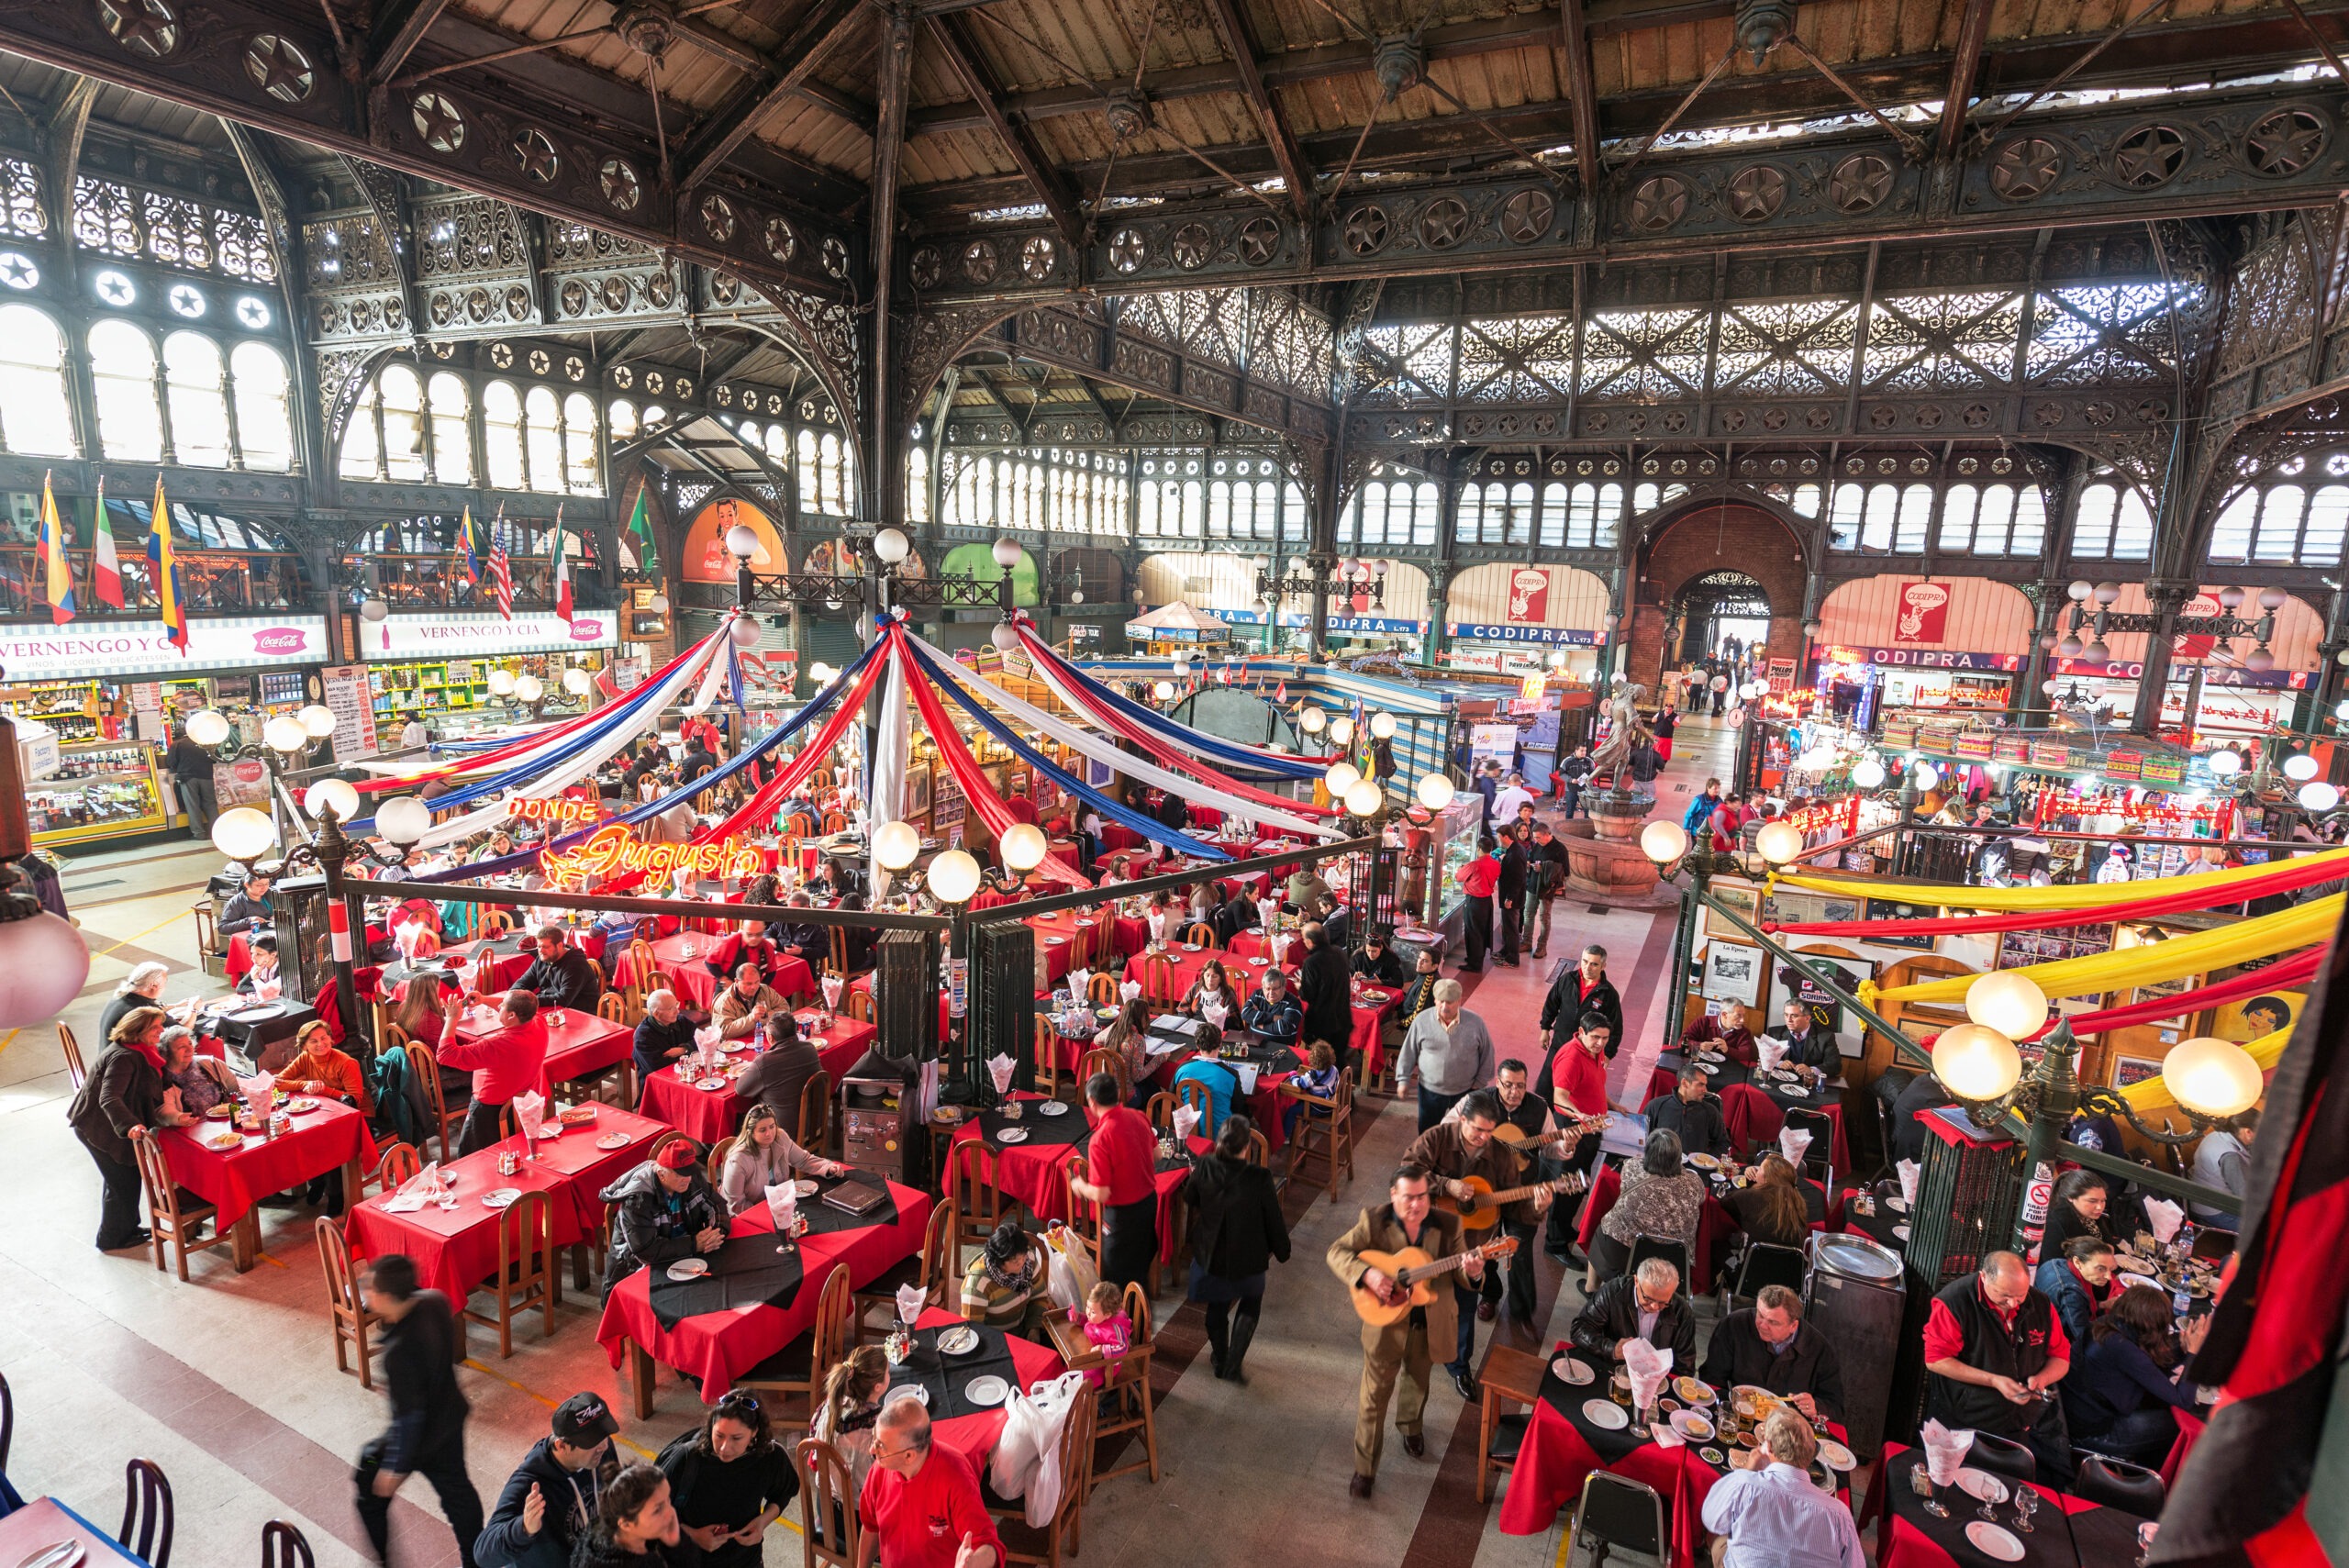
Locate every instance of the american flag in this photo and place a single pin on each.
(501, 577)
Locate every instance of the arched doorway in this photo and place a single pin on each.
(1723, 614)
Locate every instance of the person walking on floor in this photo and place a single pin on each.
(422, 1345)
(1236, 1226)
(1448, 1050)
(1478, 879)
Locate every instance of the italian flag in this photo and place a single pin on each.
(106, 567)
(562, 567)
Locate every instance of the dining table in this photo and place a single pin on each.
(2065, 1531)
(1029, 1167)
(969, 1426)
(455, 1248)
(1715, 1224)
(1755, 1104)
(718, 1346)
(321, 1136)
(44, 1522)
(681, 962)
(705, 1106)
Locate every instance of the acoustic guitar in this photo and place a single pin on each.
(1482, 1211)
(1506, 1132)
(1414, 1271)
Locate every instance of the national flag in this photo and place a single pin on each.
(562, 569)
(1282, 695)
(164, 568)
(56, 570)
(106, 567)
(469, 541)
(640, 528)
(501, 575)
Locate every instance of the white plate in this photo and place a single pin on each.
(1992, 1541)
(550, 1129)
(225, 1143)
(689, 1268)
(958, 1341)
(1692, 1425)
(732, 1047)
(1797, 1090)
(1694, 1390)
(1012, 1135)
(1258, 962)
(1607, 1414)
(910, 1391)
(804, 1188)
(612, 1140)
(502, 1197)
(1900, 1232)
(1053, 1107)
(1835, 1455)
(303, 1107)
(709, 1083)
(987, 1391)
(1572, 1373)
(1981, 1485)
(1056, 941)
(1712, 1066)
(1084, 925)
(56, 1555)
(1191, 947)
(1897, 1204)
(2128, 1279)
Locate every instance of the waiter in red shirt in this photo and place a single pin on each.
(1575, 1083)
(921, 1506)
(1122, 1177)
(1478, 879)
(1995, 1349)
(507, 1063)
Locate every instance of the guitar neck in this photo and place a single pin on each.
(1440, 1267)
(1514, 1194)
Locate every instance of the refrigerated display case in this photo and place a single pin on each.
(102, 789)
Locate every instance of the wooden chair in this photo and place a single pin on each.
(798, 1370)
(1084, 1221)
(146, 1513)
(1158, 982)
(972, 1193)
(1509, 1376)
(860, 1005)
(1161, 1112)
(7, 1421)
(425, 1068)
(209, 948)
(1101, 990)
(348, 1314)
(836, 943)
(834, 822)
(1128, 1387)
(1101, 1059)
(1075, 1460)
(612, 1008)
(815, 1131)
(928, 1269)
(282, 1546)
(399, 1162)
(1259, 1147)
(72, 1048)
(799, 826)
(493, 924)
(171, 1213)
(1048, 1056)
(827, 1502)
(1201, 933)
(1325, 1132)
(1192, 1092)
(527, 1273)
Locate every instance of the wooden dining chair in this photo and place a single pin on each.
(1161, 1112)
(1084, 1221)
(797, 1371)
(933, 1269)
(1048, 1056)
(1159, 982)
(612, 1008)
(146, 1513)
(74, 1071)
(1201, 933)
(173, 1213)
(799, 825)
(398, 1162)
(284, 1546)
(826, 1506)
(494, 923)
(1101, 990)
(1192, 1092)
(1508, 1376)
(7, 1421)
(1026, 1543)
(527, 1273)
(1325, 1132)
(972, 1191)
(860, 1005)
(1101, 1059)
(346, 1311)
(815, 1125)
(424, 1067)
(1127, 1384)
(1259, 1149)
(836, 946)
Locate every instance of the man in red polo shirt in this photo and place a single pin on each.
(1995, 1349)
(504, 1063)
(921, 1506)
(1121, 1175)
(1478, 879)
(1575, 1083)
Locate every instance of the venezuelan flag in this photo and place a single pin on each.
(57, 570)
(164, 568)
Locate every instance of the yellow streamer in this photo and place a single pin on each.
(2090, 895)
(2154, 1094)
(2298, 927)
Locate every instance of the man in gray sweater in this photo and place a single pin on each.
(1448, 1050)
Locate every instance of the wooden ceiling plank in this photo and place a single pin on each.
(733, 122)
(953, 35)
(1240, 42)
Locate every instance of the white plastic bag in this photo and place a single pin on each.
(1025, 1460)
(1073, 1275)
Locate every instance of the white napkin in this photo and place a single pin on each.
(783, 1204)
(1215, 1012)
(1649, 1367)
(1158, 925)
(1945, 1452)
(1664, 1436)
(910, 1299)
(1278, 943)
(708, 1036)
(1772, 1052)
(268, 990)
(529, 1113)
(831, 984)
(257, 1092)
(1187, 1122)
(1130, 989)
(2165, 1217)
(1000, 1067)
(417, 1190)
(1246, 1073)
(1792, 1142)
(404, 934)
(1909, 1171)
(1078, 979)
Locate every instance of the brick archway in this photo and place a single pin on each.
(1707, 537)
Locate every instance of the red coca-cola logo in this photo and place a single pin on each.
(584, 628)
(280, 640)
(250, 773)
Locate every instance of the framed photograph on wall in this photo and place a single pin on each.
(917, 789)
(1743, 897)
(1734, 972)
(1893, 910)
(1097, 773)
(2129, 1070)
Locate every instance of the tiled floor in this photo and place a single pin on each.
(229, 1381)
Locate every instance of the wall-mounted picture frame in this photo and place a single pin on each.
(1734, 972)
(2130, 1069)
(1895, 909)
(1743, 897)
(917, 789)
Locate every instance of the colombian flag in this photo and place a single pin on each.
(56, 570)
(469, 539)
(165, 567)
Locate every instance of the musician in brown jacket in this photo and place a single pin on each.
(1461, 1146)
(1408, 1218)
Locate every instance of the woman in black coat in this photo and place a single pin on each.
(1236, 1226)
(125, 1091)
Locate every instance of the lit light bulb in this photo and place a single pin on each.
(207, 726)
(1664, 842)
(1023, 846)
(242, 833)
(1975, 1063)
(891, 545)
(317, 720)
(575, 681)
(2319, 796)
(1868, 774)
(1779, 843)
(2212, 1076)
(955, 876)
(1164, 691)
(501, 682)
(2008, 1001)
(331, 795)
(1342, 777)
(1008, 554)
(1312, 720)
(47, 965)
(745, 632)
(1341, 730)
(2300, 767)
(284, 734)
(741, 542)
(896, 845)
(1924, 774)
(1435, 790)
(404, 819)
(2225, 764)
(1363, 798)
(1382, 725)
(373, 610)
(528, 689)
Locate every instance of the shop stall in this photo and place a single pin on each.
(446, 665)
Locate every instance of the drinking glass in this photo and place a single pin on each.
(2145, 1541)
(1933, 1502)
(2026, 1499)
(1990, 1502)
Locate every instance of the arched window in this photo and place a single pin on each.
(2230, 534)
(806, 473)
(1915, 510)
(501, 415)
(264, 420)
(1876, 530)
(2279, 525)
(1843, 521)
(623, 414)
(1610, 516)
(581, 471)
(918, 485)
(1427, 513)
(2132, 530)
(778, 448)
(2031, 522)
(2092, 523)
(36, 415)
(452, 438)
(196, 386)
(1194, 508)
(1957, 518)
(1520, 513)
(1372, 505)
(833, 470)
(1806, 500)
(361, 450)
(2321, 538)
(122, 363)
(401, 404)
(542, 438)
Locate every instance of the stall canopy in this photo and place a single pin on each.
(1178, 622)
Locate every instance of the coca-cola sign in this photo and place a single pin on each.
(1924, 613)
(280, 641)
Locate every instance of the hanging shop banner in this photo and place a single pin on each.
(458, 634)
(1528, 596)
(1359, 625)
(1925, 658)
(1925, 613)
(352, 702)
(2212, 674)
(85, 649)
(1559, 635)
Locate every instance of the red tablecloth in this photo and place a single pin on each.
(1127, 937)
(238, 958)
(233, 1181)
(681, 962)
(719, 1347)
(1029, 1173)
(1714, 1224)
(975, 1436)
(2189, 1432)
(708, 1115)
(1901, 1544)
(1754, 1119)
(44, 1522)
(1117, 836)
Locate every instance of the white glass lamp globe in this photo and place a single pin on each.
(331, 795)
(1008, 554)
(1868, 774)
(242, 833)
(745, 632)
(1664, 842)
(1435, 792)
(2225, 764)
(2079, 590)
(2107, 593)
(2008, 1001)
(1924, 773)
(741, 542)
(501, 682)
(2214, 1077)
(404, 819)
(2319, 796)
(1976, 1064)
(2272, 598)
(284, 733)
(207, 726)
(47, 965)
(955, 876)
(1382, 725)
(1341, 730)
(575, 681)
(891, 546)
(530, 689)
(820, 672)
(1342, 777)
(1023, 846)
(1363, 798)
(317, 720)
(660, 604)
(895, 845)
(1312, 720)
(2300, 767)
(1721, 683)
(1006, 637)
(1164, 691)
(1779, 843)
(374, 610)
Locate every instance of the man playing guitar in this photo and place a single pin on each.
(1456, 1149)
(1531, 1130)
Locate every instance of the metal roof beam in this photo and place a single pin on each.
(734, 121)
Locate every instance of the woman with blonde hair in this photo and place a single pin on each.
(847, 1408)
(762, 1155)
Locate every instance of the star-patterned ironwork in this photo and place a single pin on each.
(2283, 142)
(1859, 182)
(1659, 201)
(117, 289)
(1367, 230)
(1528, 214)
(927, 267)
(2025, 168)
(619, 183)
(717, 217)
(833, 257)
(1038, 256)
(1260, 240)
(1128, 250)
(782, 241)
(18, 271)
(1443, 223)
(535, 155)
(1757, 192)
(143, 27)
(439, 122)
(2149, 156)
(1192, 247)
(980, 261)
(278, 68)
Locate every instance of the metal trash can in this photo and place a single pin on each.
(1856, 1294)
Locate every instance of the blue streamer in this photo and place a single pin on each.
(1149, 827)
(1238, 760)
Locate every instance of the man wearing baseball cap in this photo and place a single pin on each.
(550, 1501)
(663, 1211)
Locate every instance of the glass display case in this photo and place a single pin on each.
(102, 789)
(1452, 843)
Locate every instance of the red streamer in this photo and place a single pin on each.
(968, 775)
(2305, 873)
(2296, 970)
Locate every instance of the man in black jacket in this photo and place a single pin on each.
(662, 1035)
(1808, 1045)
(1692, 1111)
(1516, 865)
(1644, 1305)
(249, 910)
(1326, 991)
(1545, 874)
(561, 976)
(1771, 1347)
(779, 1075)
(549, 1500)
(422, 1345)
(1582, 990)
(191, 767)
(663, 1212)
(802, 940)
(1923, 1094)
(1376, 963)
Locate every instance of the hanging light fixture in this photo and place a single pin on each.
(896, 845)
(1342, 777)
(1975, 1062)
(1868, 774)
(1023, 847)
(207, 726)
(331, 795)
(2301, 767)
(404, 819)
(1780, 842)
(955, 876)
(285, 734)
(244, 834)
(1664, 842)
(2008, 1001)
(1434, 791)
(1363, 798)
(1382, 725)
(2213, 1077)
